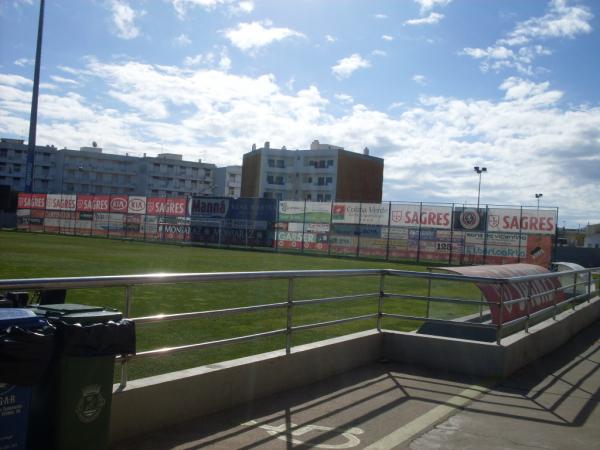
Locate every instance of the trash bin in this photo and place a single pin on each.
(73, 406)
(26, 344)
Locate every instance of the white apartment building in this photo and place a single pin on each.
(323, 173)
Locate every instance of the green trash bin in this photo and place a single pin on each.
(71, 410)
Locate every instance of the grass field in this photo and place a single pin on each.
(27, 255)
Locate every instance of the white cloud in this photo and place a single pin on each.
(63, 80)
(346, 66)
(380, 16)
(344, 98)
(330, 38)
(560, 21)
(182, 7)
(378, 52)
(440, 138)
(182, 40)
(427, 5)
(517, 51)
(252, 36)
(420, 79)
(431, 19)
(387, 37)
(22, 62)
(124, 17)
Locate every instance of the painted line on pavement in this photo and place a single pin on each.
(431, 417)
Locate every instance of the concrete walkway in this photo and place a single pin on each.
(550, 404)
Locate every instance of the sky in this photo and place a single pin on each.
(435, 87)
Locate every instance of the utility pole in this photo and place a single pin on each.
(34, 105)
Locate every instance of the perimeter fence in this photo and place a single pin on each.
(454, 234)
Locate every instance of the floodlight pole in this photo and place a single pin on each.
(479, 171)
(34, 105)
(538, 196)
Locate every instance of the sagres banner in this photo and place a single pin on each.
(528, 221)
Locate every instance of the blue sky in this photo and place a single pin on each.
(433, 86)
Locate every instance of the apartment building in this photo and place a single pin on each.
(91, 171)
(228, 181)
(323, 173)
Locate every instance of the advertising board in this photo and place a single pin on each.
(309, 212)
(361, 213)
(525, 221)
(170, 207)
(425, 216)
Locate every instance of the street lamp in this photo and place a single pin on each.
(538, 196)
(479, 171)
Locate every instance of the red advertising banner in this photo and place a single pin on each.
(493, 293)
(85, 203)
(119, 203)
(532, 221)
(101, 203)
(160, 206)
(31, 201)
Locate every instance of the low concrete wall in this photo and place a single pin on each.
(151, 403)
(489, 359)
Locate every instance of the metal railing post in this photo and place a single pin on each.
(380, 302)
(428, 295)
(290, 308)
(574, 290)
(126, 314)
(555, 302)
(500, 315)
(589, 286)
(527, 306)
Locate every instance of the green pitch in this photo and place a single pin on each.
(28, 255)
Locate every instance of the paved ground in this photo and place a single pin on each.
(550, 405)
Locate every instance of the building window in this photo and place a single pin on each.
(281, 163)
(329, 180)
(327, 197)
(271, 163)
(270, 179)
(309, 180)
(321, 181)
(319, 197)
(330, 163)
(308, 197)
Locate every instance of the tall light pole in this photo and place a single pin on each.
(479, 171)
(538, 196)
(34, 105)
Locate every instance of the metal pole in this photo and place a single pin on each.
(380, 302)
(419, 236)
(359, 229)
(428, 294)
(485, 232)
(500, 315)
(527, 306)
(451, 235)
(520, 234)
(574, 290)
(478, 191)
(290, 308)
(330, 229)
(29, 175)
(389, 228)
(589, 286)
(126, 313)
(303, 226)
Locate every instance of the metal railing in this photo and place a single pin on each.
(501, 329)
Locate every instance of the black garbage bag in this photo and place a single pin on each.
(99, 339)
(25, 354)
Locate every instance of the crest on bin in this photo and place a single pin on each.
(90, 404)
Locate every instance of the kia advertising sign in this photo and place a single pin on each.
(119, 203)
(425, 216)
(136, 205)
(526, 221)
(545, 291)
